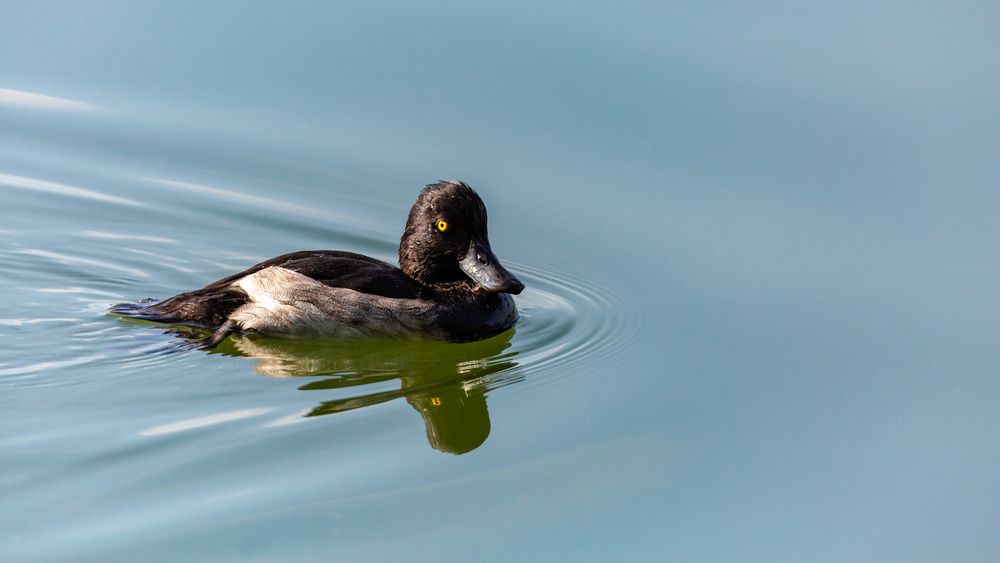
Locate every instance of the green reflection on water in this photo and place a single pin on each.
(445, 382)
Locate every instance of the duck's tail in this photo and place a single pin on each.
(187, 310)
(202, 308)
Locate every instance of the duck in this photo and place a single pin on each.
(449, 285)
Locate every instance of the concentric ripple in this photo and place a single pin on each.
(567, 320)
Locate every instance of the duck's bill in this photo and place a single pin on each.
(480, 264)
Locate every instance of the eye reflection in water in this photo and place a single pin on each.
(445, 382)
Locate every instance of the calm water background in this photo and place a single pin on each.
(760, 242)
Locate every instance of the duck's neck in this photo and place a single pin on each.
(432, 271)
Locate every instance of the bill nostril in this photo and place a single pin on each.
(482, 259)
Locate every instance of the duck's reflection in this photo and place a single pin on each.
(445, 382)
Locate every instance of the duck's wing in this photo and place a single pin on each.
(337, 268)
(211, 305)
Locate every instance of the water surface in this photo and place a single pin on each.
(759, 245)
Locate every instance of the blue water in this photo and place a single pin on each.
(759, 243)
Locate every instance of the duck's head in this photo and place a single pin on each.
(445, 241)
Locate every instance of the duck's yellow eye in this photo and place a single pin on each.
(442, 226)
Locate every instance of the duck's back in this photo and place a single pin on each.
(212, 305)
